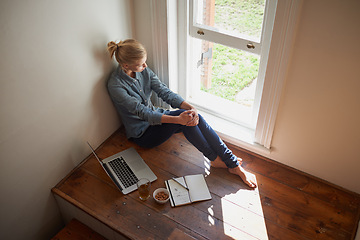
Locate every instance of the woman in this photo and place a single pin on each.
(130, 87)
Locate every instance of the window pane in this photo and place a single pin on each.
(235, 17)
(228, 73)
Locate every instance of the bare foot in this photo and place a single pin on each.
(247, 177)
(218, 163)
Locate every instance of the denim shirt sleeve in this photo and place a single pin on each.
(131, 97)
(163, 92)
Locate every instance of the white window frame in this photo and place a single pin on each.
(279, 56)
(176, 52)
(245, 117)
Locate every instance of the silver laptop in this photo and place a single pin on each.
(125, 169)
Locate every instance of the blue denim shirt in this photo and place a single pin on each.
(131, 97)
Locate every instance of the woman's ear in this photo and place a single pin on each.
(125, 66)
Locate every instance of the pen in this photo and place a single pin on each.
(180, 184)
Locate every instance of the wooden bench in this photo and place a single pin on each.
(287, 204)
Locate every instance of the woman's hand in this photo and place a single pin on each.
(185, 118)
(189, 117)
(194, 117)
(192, 112)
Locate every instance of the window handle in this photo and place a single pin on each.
(204, 55)
(200, 32)
(250, 46)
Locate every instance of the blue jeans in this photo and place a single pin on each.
(202, 136)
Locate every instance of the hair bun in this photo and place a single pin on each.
(119, 44)
(111, 44)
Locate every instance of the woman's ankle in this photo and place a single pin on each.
(218, 163)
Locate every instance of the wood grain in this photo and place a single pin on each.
(287, 204)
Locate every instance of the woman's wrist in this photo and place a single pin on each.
(185, 105)
(170, 119)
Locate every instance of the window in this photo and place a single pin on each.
(183, 60)
(226, 42)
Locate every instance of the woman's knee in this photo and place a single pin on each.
(176, 112)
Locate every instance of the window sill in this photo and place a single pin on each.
(235, 134)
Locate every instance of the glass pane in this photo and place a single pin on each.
(228, 73)
(235, 17)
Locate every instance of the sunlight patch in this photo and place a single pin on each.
(244, 208)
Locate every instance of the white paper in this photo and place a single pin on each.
(198, 188)
(179, 194)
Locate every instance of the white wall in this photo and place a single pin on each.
(142, 27)
(53, 98)
(317, 128)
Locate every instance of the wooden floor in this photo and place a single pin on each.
(76, 230)
(287, 204)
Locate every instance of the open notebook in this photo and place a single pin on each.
(187, 189)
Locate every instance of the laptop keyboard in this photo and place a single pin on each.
(123, 172)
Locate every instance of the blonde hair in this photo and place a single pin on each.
(126, 52)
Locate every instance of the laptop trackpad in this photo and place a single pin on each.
(134, 160)
(137, 166)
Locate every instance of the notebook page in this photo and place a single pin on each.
(179, 194)
(198, 188)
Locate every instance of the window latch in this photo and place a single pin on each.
(250, 46)
(204, 55)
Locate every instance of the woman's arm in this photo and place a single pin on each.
(187, 106)
(188, 118)
(184, 118)
(162, 91)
